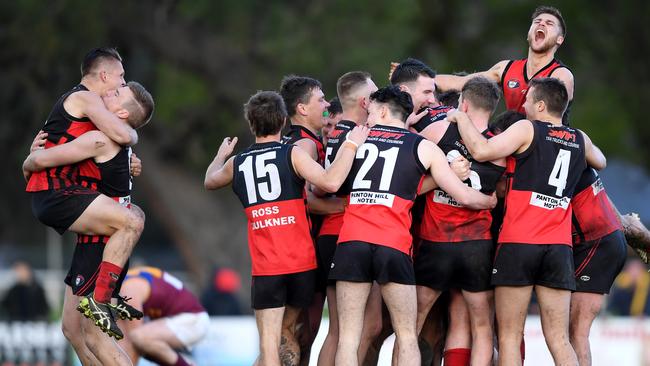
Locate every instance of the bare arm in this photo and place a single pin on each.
(92, 106)
(89, 145)
(433, 157)
(565, 75)
(330, 180)
(309, 147)
(324, 205)
(446, 82)
(595, 158)
(516, 138)
(219, 173)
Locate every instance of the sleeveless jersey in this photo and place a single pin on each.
(593, 215)
(447, 221)
(273, 196)
(514, 82)
(61, 127)
(113, 179)
(335, 139)
(383, 182)
(168, 296)
(435, 114)
(297, 133)
(541, 186)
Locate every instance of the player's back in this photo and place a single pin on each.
(383, 183)
(593, 214)
(541, 183)
(61, 127)
(273, 196)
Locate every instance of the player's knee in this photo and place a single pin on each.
(135, 221)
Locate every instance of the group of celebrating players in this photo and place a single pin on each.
(333, 213)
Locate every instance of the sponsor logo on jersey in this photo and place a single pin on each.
(385, 134)
(444, 198)
(372, 198)
(512, 84)
(585, 278)
(597, 186)
(563, 134)
(548, 202)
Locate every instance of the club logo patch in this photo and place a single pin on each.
(512, 84)
(79, 280)
(494, 270)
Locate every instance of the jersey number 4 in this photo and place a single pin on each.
(390, 158)
(560, 172)
(269, 190)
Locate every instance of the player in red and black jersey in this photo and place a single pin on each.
(61, 202)
(106, 168)
(354, 89)
(535, 241)
(269, 179)
(545, 35)
(599, 253)
(457, 249)
(375, 242)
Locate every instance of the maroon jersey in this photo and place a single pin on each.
(61, 127)
(335, 139)
(435, 114)
(514, 82)
(540, 185)
(167, 296)
(444, 219)
(593, 215)
(273, 196)
(113, 179)
(383, 183)
(297, 133)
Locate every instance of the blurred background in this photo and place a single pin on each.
(202, 59)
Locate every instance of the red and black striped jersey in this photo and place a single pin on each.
(445, 220)
(335, 139)
(297, 133)
(111, 178)
(273, 196)
(541, 183)
(61, 127)
(593, 214)
(383, 183)
(435, 114)
(514, 82)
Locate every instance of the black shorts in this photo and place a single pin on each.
(59, 209)
(358, 261)
(84, 269)
(549, 265)
(293, 289)
(598, 262)
(325, 248)
(463, 265)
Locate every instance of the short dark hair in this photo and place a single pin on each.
(349, 82)
(297, 89)
(335, 107)
(544, 9)
(448, 98)
(482, 93)
(399, 102)
(141, 107)
(266, 113)
(505, 120)
(409, 70)
(552, 92)
(96, 56)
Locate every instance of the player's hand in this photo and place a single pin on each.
(493, 200)
(455, 115)
(227, 147)
(415, 117)
(27, 174)
(136, 165)
(39, 141)
(358, 135)
(461, 167)
(393, 66)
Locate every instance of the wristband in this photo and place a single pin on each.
(347, 139)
